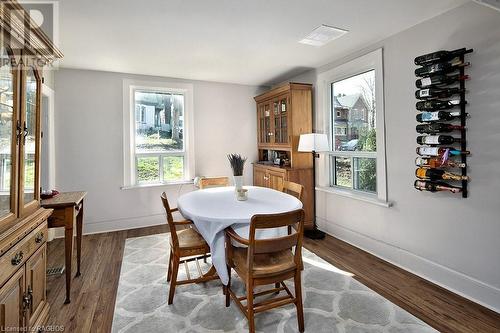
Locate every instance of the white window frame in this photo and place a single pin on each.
(129, 155)
(363, 64)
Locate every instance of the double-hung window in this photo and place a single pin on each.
(158, 138)
(353, 103)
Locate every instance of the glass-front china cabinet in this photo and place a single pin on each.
(24, 51)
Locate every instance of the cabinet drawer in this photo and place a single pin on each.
(19, 253)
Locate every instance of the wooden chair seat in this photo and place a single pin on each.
(264, 264)
(190, 239)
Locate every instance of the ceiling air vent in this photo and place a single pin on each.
(495, 4)
(322, 35)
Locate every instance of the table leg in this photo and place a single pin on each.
(68, 255)
(79, 227)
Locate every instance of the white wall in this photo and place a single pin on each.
(452, 241)
(48, 77)
(89, 139)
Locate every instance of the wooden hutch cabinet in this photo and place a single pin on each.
(24, 50)
(283, 114)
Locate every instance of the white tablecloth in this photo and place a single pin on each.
(214, 209)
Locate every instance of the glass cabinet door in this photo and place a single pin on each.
(30, 139)
(277, 121)
(8, 139)
(261, 124)
(284, 119)
(280, 108)
(264, 111)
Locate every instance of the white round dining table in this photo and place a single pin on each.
(214, 209)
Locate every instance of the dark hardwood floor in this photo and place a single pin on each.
(93, 294)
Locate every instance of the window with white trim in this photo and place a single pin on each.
(354, 157)
(353, 96)
(157, 136)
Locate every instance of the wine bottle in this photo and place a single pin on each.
(439, 80)
(425, 185)
(436, 140)
(440, 151)
(434, 162)
(436, 105)
(439, 56)
(437, 93)
(436, 116)
(440, 68)
(438, 174)
(432, 128)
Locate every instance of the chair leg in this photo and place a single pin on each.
(169, 274)
(251, 322)
(277, 285)
(298, 301)
(228, 296)
(173, 279)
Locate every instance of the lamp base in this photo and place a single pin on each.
(314, 234)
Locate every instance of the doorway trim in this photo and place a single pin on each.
(50, 136)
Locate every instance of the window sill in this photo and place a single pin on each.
(355, 195)
(132, 187)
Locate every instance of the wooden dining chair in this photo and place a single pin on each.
(186, 245)
(293, 189)
(214, 182)
(267, 261)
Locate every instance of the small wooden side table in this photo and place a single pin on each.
(68, 209)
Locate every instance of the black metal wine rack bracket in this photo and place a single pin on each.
(463, 131)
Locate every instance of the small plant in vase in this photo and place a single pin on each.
(237, 164)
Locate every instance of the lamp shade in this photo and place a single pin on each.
(313, 142)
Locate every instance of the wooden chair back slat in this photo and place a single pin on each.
(267, 221)
(275, 244)
(293, 189)
(214, 182)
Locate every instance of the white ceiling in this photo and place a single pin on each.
(238, 41)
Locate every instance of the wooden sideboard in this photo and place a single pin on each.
(283, 114)
(25, 49)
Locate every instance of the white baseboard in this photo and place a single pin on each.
(459, 283)
(117, 225)
(124, 224)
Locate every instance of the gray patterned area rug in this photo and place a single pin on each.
(333, 300)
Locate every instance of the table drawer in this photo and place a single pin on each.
(19, 253)
(58, 218)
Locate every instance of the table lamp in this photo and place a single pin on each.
(314, 143)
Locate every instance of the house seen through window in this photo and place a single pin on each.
(159, 136)
(353, 160)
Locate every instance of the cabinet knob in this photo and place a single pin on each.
(39, 238)
(17, 259)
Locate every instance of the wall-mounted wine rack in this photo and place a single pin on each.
(441, 86)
